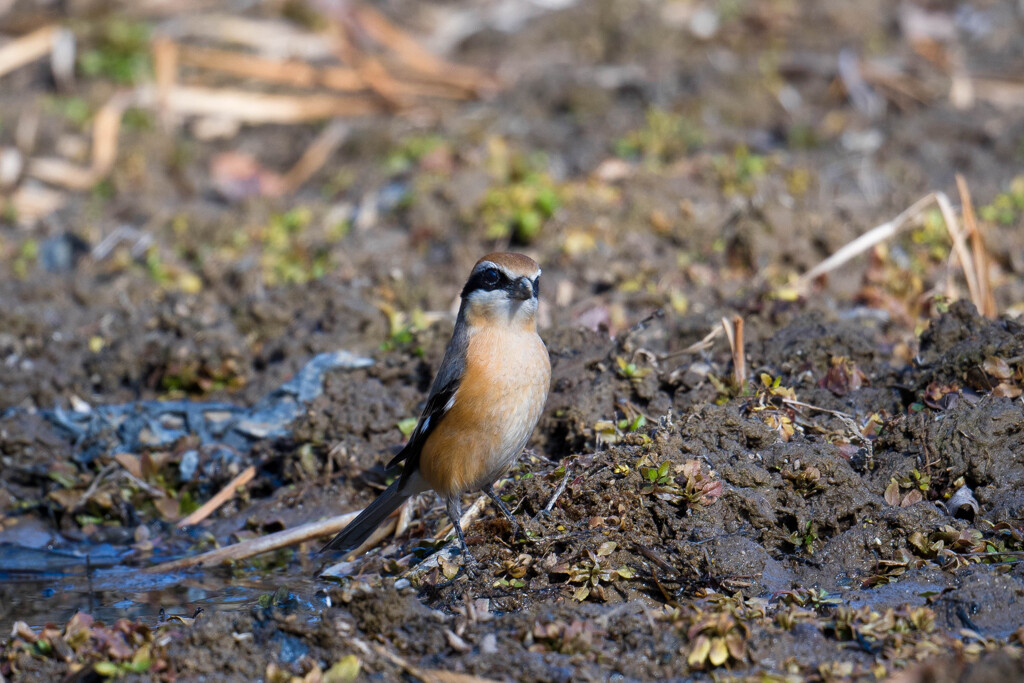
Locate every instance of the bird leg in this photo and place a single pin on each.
(454, 506)
(516, 530)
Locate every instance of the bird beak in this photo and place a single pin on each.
(523, 289)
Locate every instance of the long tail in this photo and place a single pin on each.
(359, 529)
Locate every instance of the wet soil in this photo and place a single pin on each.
(851, 509)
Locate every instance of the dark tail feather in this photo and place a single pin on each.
(359, 529)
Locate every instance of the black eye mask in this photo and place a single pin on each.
(487, 280)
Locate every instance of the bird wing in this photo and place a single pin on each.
(439, 403)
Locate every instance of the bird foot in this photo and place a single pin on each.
(471, 565)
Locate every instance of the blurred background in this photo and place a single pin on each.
(196, 194)
(198, 197)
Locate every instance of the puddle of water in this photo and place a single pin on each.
(127, 593)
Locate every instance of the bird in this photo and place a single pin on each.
(483, 405)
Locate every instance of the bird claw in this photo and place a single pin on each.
(471, 565)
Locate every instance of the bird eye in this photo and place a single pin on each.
(490, 277)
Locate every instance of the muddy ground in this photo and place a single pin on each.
(851, 509)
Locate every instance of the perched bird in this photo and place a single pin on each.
(483, 405)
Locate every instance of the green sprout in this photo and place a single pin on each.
(593, 575)
(664, 138)
(737, 175)
(524, 200)
(630, 371)
(804, 539)
(121, 53)
(660, 483)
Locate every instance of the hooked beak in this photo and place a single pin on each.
(523, 289)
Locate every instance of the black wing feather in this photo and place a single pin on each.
(443, 389)
(431, 417)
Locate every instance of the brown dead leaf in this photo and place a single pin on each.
(892, 493)
(1006, 390)
(168, 508)
(130, 462)
(67, 499)
(912, 498)
(843, 377)
(997, 367)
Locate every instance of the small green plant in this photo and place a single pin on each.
(74, 110)
(592, 574)
(916, 484)
(769, 405)
(660, 483)
(409, 152)
(636, 424)
(804, 539)
(814, 598)
(121, 52)
(512, 572)
(27, 256)
(524, 199)
(287, 257)
(196, 377)
(697, 488)
(805, 480)
(665, 137)
(738, 174)
(614, 431)
(406, 426)
(715, 639)
(1007, 207)
(700, 489)
(402, 328)
(629, 370)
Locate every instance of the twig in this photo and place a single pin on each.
(468, 517)
(27, 49)
(876, 235)
(315, 156)
(891, 228)
(404, 517)
(801, 404)
(95, 484)
(963, 253)
(165, 71)
(288, 72)
(148, 488)
(105, 129)
(254, 107)
(263, 544)
(987, 303)
(223, 496)
(278, 38)
(559, 490)
(32, 201)
(449, 549)
(414, 56)
(370, 71)
(734, 332)
(696, 347)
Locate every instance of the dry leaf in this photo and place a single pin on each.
(997, 367)
(911, 498)
(892, 493)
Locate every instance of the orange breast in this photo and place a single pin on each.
(496, 408)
